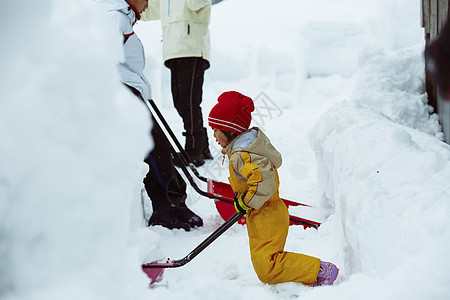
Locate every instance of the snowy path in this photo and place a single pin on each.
(226, 264)
(288, 110)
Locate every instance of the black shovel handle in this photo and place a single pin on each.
(211, 238)
(184, 157)
(183, 167)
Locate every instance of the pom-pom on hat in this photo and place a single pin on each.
(232, 113)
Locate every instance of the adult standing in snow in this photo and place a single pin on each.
(164, 185)
(254, 178)
(186, 52)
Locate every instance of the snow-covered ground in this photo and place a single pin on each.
(338, 87)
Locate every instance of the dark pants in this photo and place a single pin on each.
(163, 183)
(187, 75)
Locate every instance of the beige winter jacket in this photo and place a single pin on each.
(184, 25)
(253, 167)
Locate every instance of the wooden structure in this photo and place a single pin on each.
(434, 16)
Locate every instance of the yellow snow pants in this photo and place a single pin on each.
(267, 232)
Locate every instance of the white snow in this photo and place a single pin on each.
(338, 88)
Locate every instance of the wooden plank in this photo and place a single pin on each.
(442, 14)
(426, 17)
(444, 117)
(423, 14)
(433, 18)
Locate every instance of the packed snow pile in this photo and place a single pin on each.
(70, 139)
(391, 82)
(387, 178)
(390, 191)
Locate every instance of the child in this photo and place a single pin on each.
(254, 179)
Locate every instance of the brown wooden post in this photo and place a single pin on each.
(434, 16)
(429, 9)
(442, 13)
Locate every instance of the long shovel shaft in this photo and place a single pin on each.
(151, 105)
(211, 238)
(184, 157)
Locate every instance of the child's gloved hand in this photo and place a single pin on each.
(239, 203)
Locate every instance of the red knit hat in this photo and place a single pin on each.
(232, 113)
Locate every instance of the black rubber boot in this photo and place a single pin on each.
(205, 145)
(196, 160)
(207, 154)
(164, 215)
(197, 147)
(184, 214)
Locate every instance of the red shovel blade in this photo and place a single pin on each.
(155, 270)
(224, 190)
(155, 275)
(226, 210)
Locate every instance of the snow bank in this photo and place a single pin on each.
(71, 140)
(388, 183)
(391, 83)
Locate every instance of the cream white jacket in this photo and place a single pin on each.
(253, 167)
(184, 25)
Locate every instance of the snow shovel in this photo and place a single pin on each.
(155, 270)
(216, 190)
(226, 210)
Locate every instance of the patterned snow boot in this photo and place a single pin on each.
(327, 274)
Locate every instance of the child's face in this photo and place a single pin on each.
(220, 138)
(140, 5)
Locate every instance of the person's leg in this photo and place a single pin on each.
(267, 231)
(160, 181)
(184, 214)
(187, 75)
(199, 132)
(177, 195)
(166, 188)
(164, 185)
